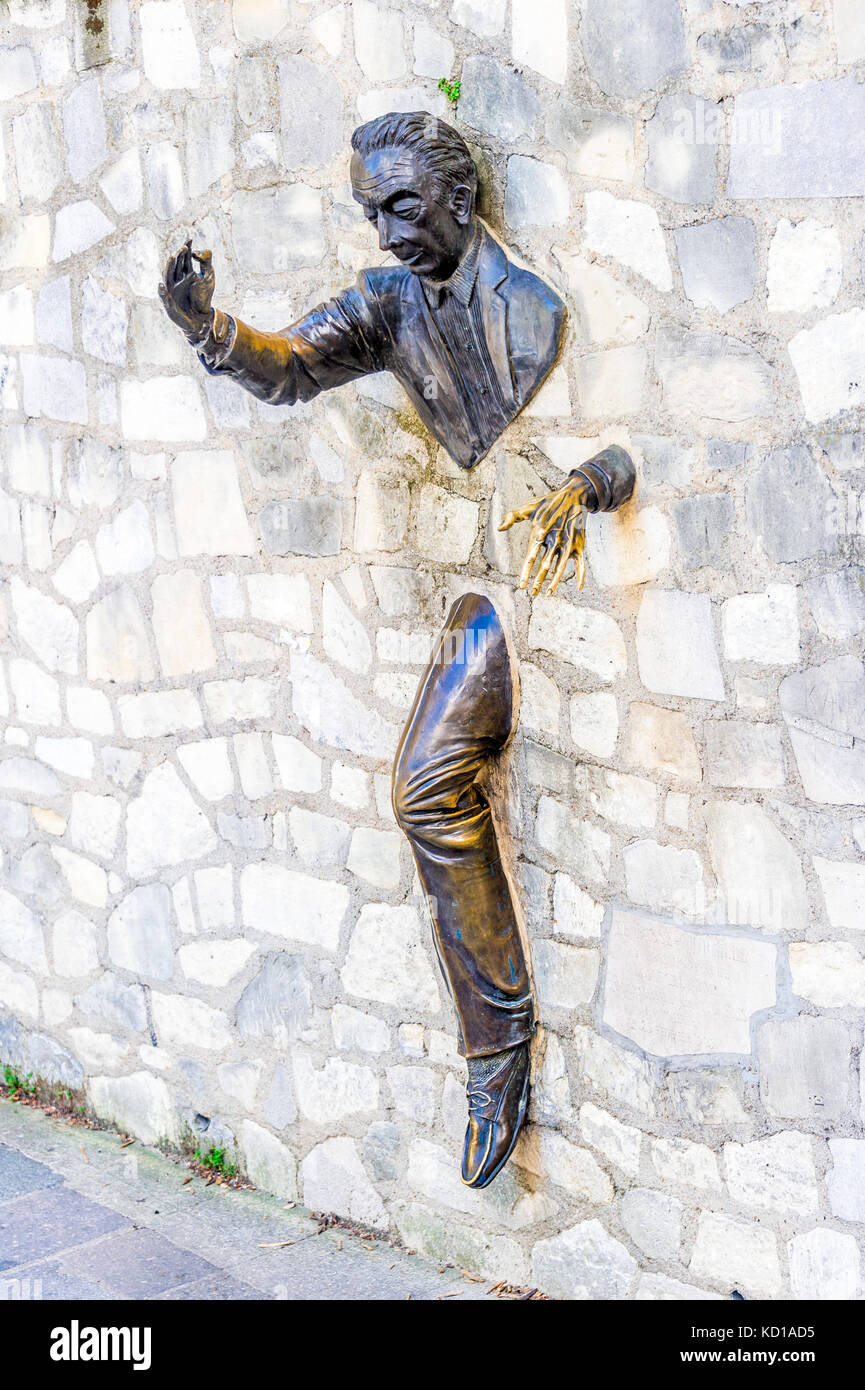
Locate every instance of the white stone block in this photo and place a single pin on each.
(805, 267)
(47, 627)
(374, 856)
(55, 387)
(387, 960)
(184, 1021)
(77, 227)
(333, 1179)
(736, 1254)
(649, 995)
(539, 36)
(16, 317)
(164, 408)
(118, 647)
(584, 1262)
(76, 945)
(344, 637)
(183, 637)
(830, 365)
(583, 637)
(280, 902)
(164, 826)
(843, 891)
(89, 709)
(845, 1181)
(665, 878)
(831, 974)
(676, 650)
(122, 184)
(378, 41)
(335, 1091)
(763, 628)
(486, 18)
(279, 598)
(354, 1031)
(565, 976)
(447, 526)
(94, 824)
(772, 894)
(629, 232)
(214, 963)
(36, 694)
(206, 764)
(170, 52)
(618, 1142)
(268, 1162)
(84, 129)
(825, 1264)
(156, 713)
(139, 1104)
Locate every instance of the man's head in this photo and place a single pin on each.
(416, 181)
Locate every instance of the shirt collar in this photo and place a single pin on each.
(462, 282)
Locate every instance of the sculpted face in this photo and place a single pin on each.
(399, 197)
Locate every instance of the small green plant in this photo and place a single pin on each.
(15, 1086)
(450, 89)
(216, 1161)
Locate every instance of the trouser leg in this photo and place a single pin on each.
(461, 717)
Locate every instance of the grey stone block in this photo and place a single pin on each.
(799, 140)
(497, 100)
(740, 754)
(301, 526)
(110, 998)
(246, 832)
(634, 46)
(745, 47)
(804, 1068)
(271, 460)
(664, 460)
(837, 602)
(703, 524)
(791, 507)
(277, 1003)
(831, 695)
(682, 145)
(310, 113)
(718, 263)
(279, 1107)
(724, 453)
(380, 1144)
(35, 874)
(53, 1063)
(844, 450)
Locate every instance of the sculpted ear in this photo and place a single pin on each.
(461, 200)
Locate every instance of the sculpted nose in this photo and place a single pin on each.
(386, 239)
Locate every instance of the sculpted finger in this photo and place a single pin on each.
(559, 572)
(543, 569)
(518, 514)
(528, 563)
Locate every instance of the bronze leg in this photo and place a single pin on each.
(460, 718)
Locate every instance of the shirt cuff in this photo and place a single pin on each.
(216, 346)
(610, 476)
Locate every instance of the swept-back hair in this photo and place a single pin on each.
(440, 148)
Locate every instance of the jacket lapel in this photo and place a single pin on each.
(492, 273)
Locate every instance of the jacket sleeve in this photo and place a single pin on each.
(336, 342)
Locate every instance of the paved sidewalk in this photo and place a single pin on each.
(83, 1218)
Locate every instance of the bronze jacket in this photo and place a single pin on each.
(384, 324)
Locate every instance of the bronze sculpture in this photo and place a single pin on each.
(471, 337)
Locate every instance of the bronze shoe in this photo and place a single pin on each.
(498, 1096)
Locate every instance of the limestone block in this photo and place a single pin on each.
(277, 1003)
(575, 913)
(122, 183)
(94, 823)
(206, 763)
(648, 994)
(77, 227)
(598, 144)
(76, 945)
(36, 694)
(653, 1220)
(845, 1180)
(387, 960)
(825, 1264)
(139, 932)
(850, 41)
(433, 53)
(17, 72)
(618, 1142)
(267, 1161)
(712, 376)
(24, 241)
(583, 637)
(311, 132)
(486, 18)
(280, 902)
(763, 628)
(84, 129)
(48, 628)
(355, 1031)
(629, 232)
(662, 740)
(214, 963)
(804, 1068)
(378, 41)
(446, 525)
(118, 647)
(336, 1090)
(208, 508)
(793, 149)
(381, 513)
(736, 1254)
(594, 721)
(302, 526)
(831, 974)
(54, 387)
(676, 649)
(776, 1174)
(828, 360)
(682, 139)
(565, 975)
(614, 1071)
(375, 857)
(740, 754)
(837, 602)
(843, 888)
(634, 48)
(805, 267)
(539, 36)
(607, 312)
(170, 52)
(344, 637)
(536, 193)
(577, 844)
(164, 825)
(37, 153)
(256, 21)
(277, 229)
(611, 383)
(703, 525)
(772, 894)
(548, 1155)
(583, 1262)
(540, 702)
(180, 625)
(718, 263)
(776, 494)
(333, 1179)
(280, 598)
(329, 712)
(138, 1104)
(619, 797)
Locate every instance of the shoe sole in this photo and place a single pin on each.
(524, 1102)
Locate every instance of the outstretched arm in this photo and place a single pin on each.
(336, 342)
(558, 521)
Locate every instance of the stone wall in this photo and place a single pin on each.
(215, 612)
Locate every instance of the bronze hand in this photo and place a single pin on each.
(186, 293)
(558, 523)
